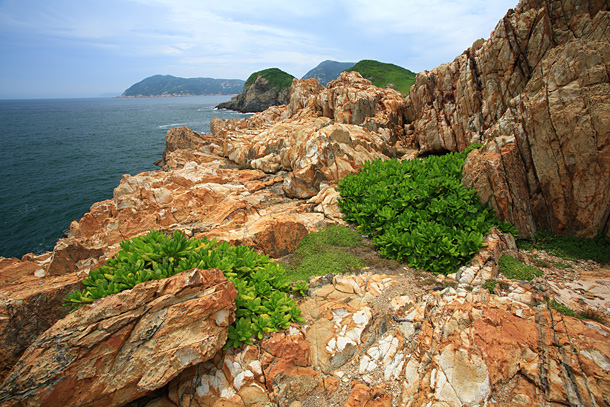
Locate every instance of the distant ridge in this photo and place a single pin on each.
(385, 75)
(328, 71)
(168, 85)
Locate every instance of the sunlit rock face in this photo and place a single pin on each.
(536, 94)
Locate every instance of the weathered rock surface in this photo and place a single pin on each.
(536, 93)
(257, 97)
(28, 308)
(125, 345)
(372, 340)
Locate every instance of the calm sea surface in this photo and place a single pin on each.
(58, 157)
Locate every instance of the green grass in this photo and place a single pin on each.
(324, 252)
(512, 268)
(490, 285)
(567, 247)
(562, 309)
(385, 75)
(275, 76)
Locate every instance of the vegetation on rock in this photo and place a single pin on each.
(385, 75)
(324, 252)
(513, 268)
(569, 247)
(418, 211)
(276, 77)
(262, 302)
(168, 85)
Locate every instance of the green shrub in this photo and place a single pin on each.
(568, 247)
(262, 302)
(419, 211)
(513, 268)
(323, 252)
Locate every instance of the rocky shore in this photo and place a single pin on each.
(536, 94)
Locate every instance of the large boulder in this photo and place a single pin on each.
(125, 345)
(536, 93)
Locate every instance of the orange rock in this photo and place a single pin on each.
(125, 345)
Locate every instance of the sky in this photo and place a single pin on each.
(91, 48)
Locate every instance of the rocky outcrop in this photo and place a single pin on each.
(125, 345)
(536, 93)
(28, 307)
(257, 97)
(374, 340)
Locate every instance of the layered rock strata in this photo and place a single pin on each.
(372, 340)
(125, 345)
(536, 93)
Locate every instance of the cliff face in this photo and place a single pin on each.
(257, 97)
(536, 94)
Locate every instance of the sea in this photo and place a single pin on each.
(60, 156)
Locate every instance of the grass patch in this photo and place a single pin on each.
(323, 252)
(588, 313)
(513, 268)
(490, 285)
(568, 247)
(561, 266)
(557, 306)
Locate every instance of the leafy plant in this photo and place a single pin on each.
(418, 211)
(262, 303)
(568, 247)
(513, 268)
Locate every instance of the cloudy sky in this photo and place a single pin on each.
(90, 48)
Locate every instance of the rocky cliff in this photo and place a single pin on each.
(262, 90)
(536, 93)
(529, 93)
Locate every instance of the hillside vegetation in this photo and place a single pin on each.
(275, 76)
(168, 85)
(385, 75)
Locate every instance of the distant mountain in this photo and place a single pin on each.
(168, 85)
(269, 87)
(385, 75)
(327, 71)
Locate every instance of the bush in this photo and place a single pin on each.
(262, 302)
(419, 211)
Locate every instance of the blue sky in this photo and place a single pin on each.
(89, 48)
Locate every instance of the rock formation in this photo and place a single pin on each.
(125, 345)
(257, 97)
(536, 93)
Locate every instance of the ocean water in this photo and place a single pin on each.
(60, 156)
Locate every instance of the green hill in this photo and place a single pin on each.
(275, 76)
(385, 75)
(168, 85)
